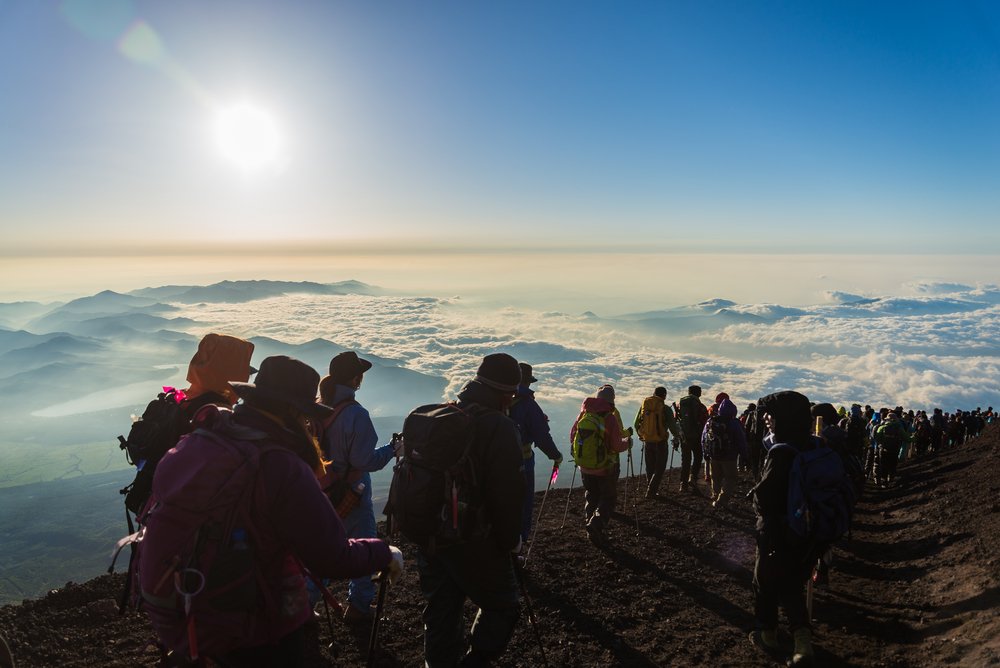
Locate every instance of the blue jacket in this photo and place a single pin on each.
(351, 439)
(533, 425)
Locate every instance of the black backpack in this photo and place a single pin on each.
(435, 499)
(717, 442)
(690, 415)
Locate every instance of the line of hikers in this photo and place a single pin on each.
(250, 499)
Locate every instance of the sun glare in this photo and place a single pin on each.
(248, 136)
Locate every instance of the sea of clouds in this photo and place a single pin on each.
(939, 348)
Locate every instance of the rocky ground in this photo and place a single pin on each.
(917, 585)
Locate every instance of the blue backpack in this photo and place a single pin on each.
(821, 495)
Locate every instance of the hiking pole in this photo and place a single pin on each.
(642, 460)
(519, 573)
(635, 497)
(541, 509)
(569, 494)
(383, 586)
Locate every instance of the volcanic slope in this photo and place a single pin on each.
(917, 585)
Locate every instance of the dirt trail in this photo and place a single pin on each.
(917, 585)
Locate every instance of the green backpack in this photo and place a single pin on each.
(588, 446)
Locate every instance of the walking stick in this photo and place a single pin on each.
(541, 509)
(642, 459)
(383, 586)
(569, 494)
(519, 573)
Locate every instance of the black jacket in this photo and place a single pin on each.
(499, 464)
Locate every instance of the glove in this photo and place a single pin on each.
(397, 444)
(557, 462)
(629, 432)
(395, 567)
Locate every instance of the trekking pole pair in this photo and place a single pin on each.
(568, 495)
(541, 509)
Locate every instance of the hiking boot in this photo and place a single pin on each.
(803, 655)
(766, 640)
(354, 616)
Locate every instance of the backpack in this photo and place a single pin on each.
(434, 497)
(690, 415)
(162, 424)
(717, 444)
(336, 484)
(821, 495)
(652, 423)
(198, 536)
(588, 448)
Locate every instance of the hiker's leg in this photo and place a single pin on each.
(792, 588)
(442, 615)
(765, 584)
(360, 523)
(488, 579)
(685, 461)
(728, 477)
(529, 496)
(591, 495)
(609, 496)
(656, 464)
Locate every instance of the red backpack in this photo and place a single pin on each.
(195, 570)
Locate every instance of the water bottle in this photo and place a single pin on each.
(352, 497)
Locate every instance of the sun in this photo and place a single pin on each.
(248, 136)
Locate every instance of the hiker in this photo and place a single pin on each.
(254, 469)
(597, 438)
(723, 441)
(654, 423)
(220, 358)
(533, 425)
(692, 417)
(783, 562)
(350, 444)
(890, 437)
(479, 568)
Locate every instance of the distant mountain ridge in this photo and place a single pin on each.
(243, 291)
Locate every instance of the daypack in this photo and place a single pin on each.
(162, 424)
(690, 415)
(434, 497)
(652, 425)
(198, 536)
(337, 484)
(821, 495)
(589, 448)
(717, 443)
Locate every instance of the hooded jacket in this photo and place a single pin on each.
(533, 425)
(737, 446)
(496, 453)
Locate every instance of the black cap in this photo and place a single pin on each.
(286, 380)
(347, 365)
(499, 371)
(526, 376)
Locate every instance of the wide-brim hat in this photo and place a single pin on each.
(347, 365)
(526, 375)
(287, 380)
(499, 371)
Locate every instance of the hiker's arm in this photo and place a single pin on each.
(739, 437)
(538, 429)
(503, 483)
(304, 519)
(771, 500)
(668, 416)
(364, 452)
(614, 439)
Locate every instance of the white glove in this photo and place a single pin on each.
(395, 568)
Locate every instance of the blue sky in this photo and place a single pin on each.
(753, 126)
